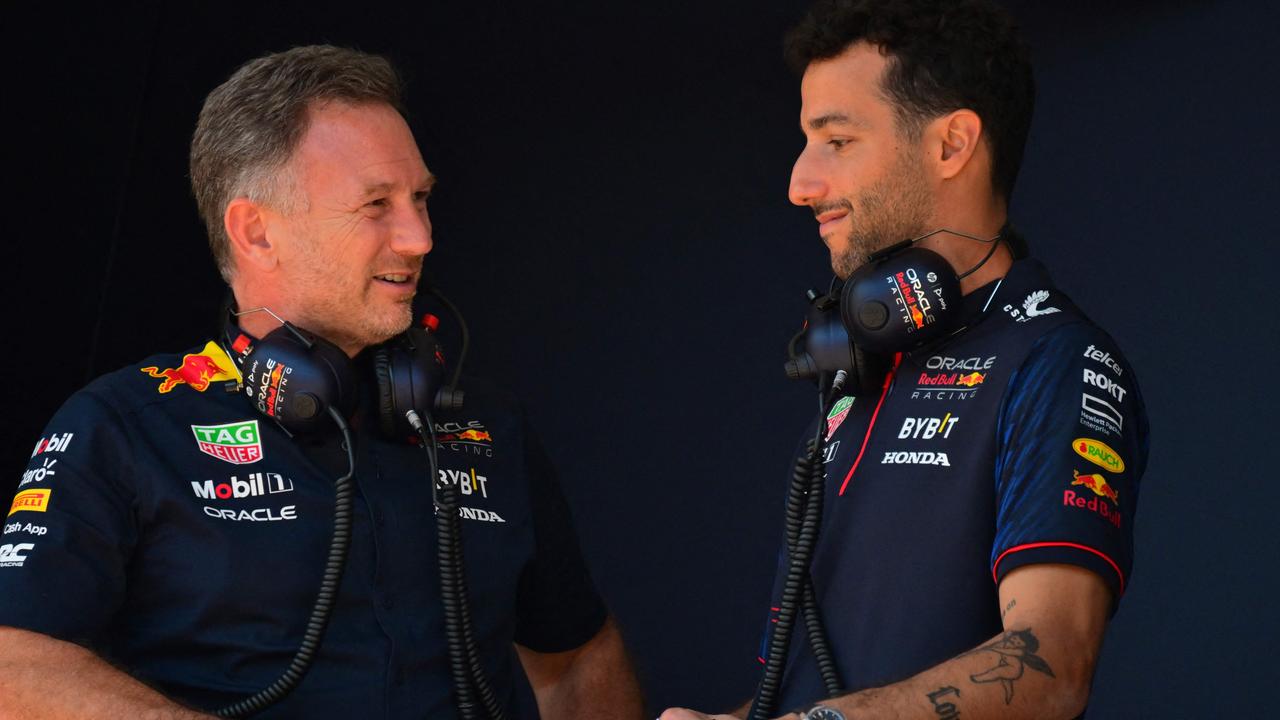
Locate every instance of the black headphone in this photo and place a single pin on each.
(902, 298)
(294, 376)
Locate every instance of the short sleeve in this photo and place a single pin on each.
(70, 528)
(558, 608)
(1072, 447)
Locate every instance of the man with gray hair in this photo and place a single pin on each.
(168, 539)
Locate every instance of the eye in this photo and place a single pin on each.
(377, 203)
(838, 143)
(420, 197)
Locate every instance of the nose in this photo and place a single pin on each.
(412, 233)
(807, 185)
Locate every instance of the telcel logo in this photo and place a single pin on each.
(1098, 453)
(1105, 358)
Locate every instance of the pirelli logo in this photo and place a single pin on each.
(36, 500)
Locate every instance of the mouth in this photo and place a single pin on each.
(399, 282)
(827, 221)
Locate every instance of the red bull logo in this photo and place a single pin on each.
(909, 299)
(974, 378)
(1097, 502)
(197, 370)
(1097, 484)
(466, 436)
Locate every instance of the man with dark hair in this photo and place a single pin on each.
(980, 490)
(168, 540)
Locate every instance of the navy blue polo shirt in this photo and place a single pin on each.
(170, 528)
(1020, 440)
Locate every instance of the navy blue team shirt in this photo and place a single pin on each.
(1020, 440)
(167, 526)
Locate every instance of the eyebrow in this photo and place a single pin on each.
(836, 119)
(384, 187)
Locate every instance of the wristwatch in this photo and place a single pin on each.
(821, 712)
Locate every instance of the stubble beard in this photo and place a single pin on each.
(893, 209)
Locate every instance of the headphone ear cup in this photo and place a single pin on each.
(409, 377)
(386, 390)
(295, 377)
(900, 302)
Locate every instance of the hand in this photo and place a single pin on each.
(684, 714)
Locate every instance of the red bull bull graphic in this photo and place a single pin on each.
(468, 437)
(1097, 484)
(1101, 491)
(197, 371)
(974, 378)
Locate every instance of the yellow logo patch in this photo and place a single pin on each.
(36, 500)
(1098, 453)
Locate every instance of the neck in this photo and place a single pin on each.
(983, 220)
(260, 324)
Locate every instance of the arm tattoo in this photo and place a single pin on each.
(945, 710)
(1013, 652)
(1013, 603)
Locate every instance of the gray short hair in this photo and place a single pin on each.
(251, 124)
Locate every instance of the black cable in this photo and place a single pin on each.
(323, 607)
(802, 524)
(466, 337)
(469, 679)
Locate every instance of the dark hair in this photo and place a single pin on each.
(943, 55)
(251, 124)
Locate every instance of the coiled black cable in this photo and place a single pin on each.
(470, 682)
(802, 524)
(323, 607)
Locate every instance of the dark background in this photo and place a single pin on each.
(612, 217)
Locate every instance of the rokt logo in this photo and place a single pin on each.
(53, 443)
(256, 484)
(236, 443)
(1105, 383)
(11, 555)
(1098, 453)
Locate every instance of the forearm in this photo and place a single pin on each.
(44, 678)
(596, 681)
(1016, 674)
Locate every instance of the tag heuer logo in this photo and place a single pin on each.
(237, 443)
